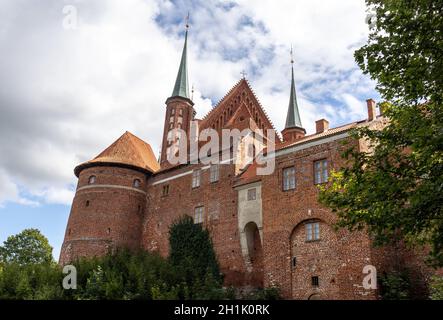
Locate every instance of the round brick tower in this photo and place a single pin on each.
(107, 210)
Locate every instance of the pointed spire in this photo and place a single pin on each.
(293, 117)
(181, 88)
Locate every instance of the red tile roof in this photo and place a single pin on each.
(128, 150)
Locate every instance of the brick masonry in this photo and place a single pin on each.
(113, 212)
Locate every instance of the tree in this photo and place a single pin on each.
(396, 190)
(27, 247)
(192, 255)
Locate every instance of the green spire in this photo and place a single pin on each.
(293, 117)
(181, 88)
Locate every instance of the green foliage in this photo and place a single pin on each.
(31, 282)
(404, 50)
(265, 294)
(395, 286)
(436, 288)
(396, 190)
(192, 256)
(27, 247)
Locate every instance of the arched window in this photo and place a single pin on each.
(92, 179)
(136, 183)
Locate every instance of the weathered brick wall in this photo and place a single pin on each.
(106, 214)
(337, 258)
(220, 213)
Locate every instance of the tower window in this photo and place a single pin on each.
(87, 203)
(312, 231)
(320, 171)
(196, 178)
(171, 119)
(108, 231)
(294, 262)
(92, 179)
(165, 190)
(314, 281)
(252, 194)
(214, 172)
(288, 178)
(198, 215)
(172, 111)
(136, 183)
(180, 112)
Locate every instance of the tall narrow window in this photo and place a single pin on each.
(288, 178)
(165, 190)
(312, 231)
(214, 172)
(92, 179)
(136, 183)
(198, 215)
(196, 178)
(314, 281)
(321, 171)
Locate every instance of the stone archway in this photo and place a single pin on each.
(255, 253)
(315, 262)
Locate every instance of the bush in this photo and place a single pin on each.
(436, 288)
(395, 286)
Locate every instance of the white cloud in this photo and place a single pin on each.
(67, 94)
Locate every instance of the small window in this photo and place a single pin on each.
(172, 111)
(180, 112)
(198, 215)
(288, 178)
(312, 231)
(294, 262)
(87, 203)
(108, 231)
(92, 179)
(136, 183)
(171, 119)
(165, 190)
(171, 125)
(196, 178)
(320, 171)
(314, 281)
(214, 173)
(252, 194)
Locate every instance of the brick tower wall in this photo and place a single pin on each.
(105, 214)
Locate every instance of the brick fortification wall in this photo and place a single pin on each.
(105, 214)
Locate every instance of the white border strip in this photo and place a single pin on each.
(186, 173)
(110, 186)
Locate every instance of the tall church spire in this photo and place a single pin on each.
(181, 88)
(293, 116)
(293, 130)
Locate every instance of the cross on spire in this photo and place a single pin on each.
(292, 56)
(243, 73)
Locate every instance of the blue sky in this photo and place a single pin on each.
(67, 93)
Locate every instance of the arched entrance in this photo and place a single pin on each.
(255, 253)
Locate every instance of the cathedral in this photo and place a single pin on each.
(268, 230)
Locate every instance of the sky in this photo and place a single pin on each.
(75, 75)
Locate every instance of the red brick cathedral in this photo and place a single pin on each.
(267, 230)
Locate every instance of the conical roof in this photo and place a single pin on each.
(293, 116)
(181, 87)
(128, 151)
